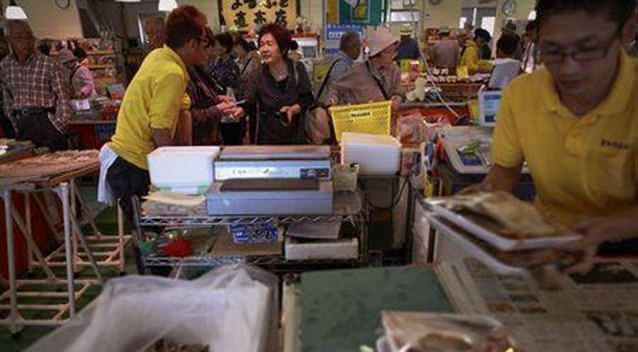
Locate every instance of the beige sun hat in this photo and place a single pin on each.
(379, 40)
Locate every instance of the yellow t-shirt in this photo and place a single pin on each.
(470, 58)
(582, 167)
(152, 101)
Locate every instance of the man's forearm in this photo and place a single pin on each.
(162, 137)
(502, 178)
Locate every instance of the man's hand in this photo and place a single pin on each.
(598, 231)
(291, 111)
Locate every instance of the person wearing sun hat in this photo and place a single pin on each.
(408, 46)
(79, 78)
(377, 79)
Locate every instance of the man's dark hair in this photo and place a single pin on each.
(507, 44)
(348, 40)
(246, 45)
(226, 41)
(282, 36)
(294, 45)
(45, 48)
(80, 53)
(483, 34)
(184, 24)
(619, 10)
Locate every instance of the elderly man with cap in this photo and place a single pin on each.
(446, 53)
(78, 76)
(408, 47)
(377, 79)
(34, 91)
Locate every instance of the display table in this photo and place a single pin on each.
(59, 179)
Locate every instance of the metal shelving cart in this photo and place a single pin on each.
(349, 208)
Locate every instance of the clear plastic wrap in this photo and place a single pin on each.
(233, 308)
(422, 332)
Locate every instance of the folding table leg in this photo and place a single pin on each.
(13, 297)
(63, 192)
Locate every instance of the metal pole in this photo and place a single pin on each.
(63, 189)
(13, 298)
(120, 235)
(27, 214)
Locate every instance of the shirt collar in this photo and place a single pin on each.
(344, 56)
(30, 59)
(175, 57)
(617, 100)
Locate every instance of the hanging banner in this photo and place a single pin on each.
(246, 14)
(366, 12)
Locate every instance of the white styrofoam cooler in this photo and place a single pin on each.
(187, 170)
(375, 154)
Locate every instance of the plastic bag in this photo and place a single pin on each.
(233, 308)
(422, 332)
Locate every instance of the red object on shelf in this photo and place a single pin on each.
(179, 248)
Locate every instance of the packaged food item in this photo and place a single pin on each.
(424, 332)
(518, 219)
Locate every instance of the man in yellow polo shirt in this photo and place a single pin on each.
(575, 123)
(152, 103)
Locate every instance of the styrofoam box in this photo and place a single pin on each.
(340, 249)
(186, 170)
(375, 154)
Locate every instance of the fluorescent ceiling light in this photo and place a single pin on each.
(167, 5)
(15, 12)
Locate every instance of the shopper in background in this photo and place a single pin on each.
(45, 47)
(506, 67)
(6, 125)
(280, 90)
(155, 31)
(530, 49)
(295, 54)
(149, 112)
(78, 77)
(248, 57)
(342, 62)
(446, 53)
(207, 108)
(319, 124)
(34, 92)
(630, 35)
(483, 39)
(224, 69)
(377, 79)
(575, 123)
(225, 72)
(408, 47)
(510, 29)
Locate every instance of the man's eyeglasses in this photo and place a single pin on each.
(556, 55)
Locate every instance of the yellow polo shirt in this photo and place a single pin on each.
(152, 101)
(582, 167)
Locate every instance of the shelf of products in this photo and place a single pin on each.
(349, 209)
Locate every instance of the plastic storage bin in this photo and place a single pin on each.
(187, 170)
(375, 154)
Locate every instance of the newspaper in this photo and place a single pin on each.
(597, 312)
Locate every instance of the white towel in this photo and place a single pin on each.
(107, 158)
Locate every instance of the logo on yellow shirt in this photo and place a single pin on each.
(615, 145)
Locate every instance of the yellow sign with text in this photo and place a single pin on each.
(374, 118)
(246, 14)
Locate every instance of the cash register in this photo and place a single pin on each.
(272, 180)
